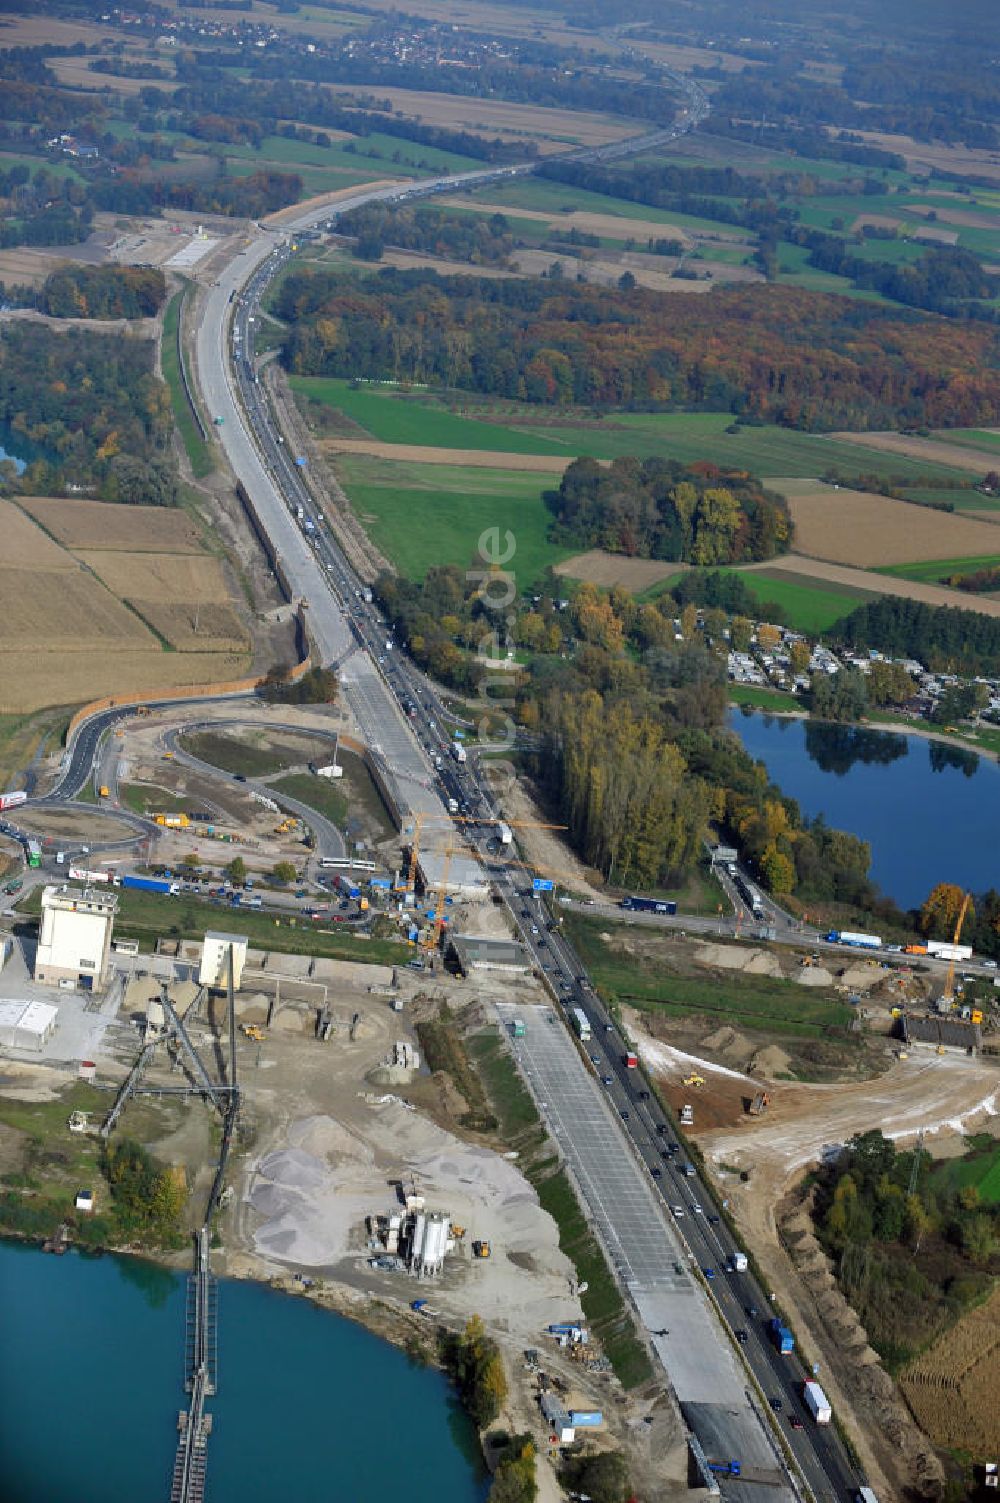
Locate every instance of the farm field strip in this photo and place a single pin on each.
(105, 526)
(867, 581)
(865, 530)
(942, 568)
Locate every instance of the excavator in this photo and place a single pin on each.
(694, 1080)
(253, 1031)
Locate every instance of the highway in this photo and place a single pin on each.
(403, 720)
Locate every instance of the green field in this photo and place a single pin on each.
(980, 1169)
(762, 699)
(394, 417)
(960, 499)
(937, 569)
(199, 453)
(811, 607)
(757, 1002)
(321, 794)
(560, 198)
(987, 439)
(522, 428)
(420, 515)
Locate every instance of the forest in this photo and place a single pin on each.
(92, 408)
(103, 292)
(634, 752)
(806, 360)
(944, 638)
(657, 508)
(912, 1247)
(424, 227)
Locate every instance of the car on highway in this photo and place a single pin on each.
(752, 1311)
(776, 1404)
(695, 1208)
(643, 1095)
(624, 1114)
(713, 1220)
(742, 1335)
(656, 1172)
(795, 1422)
(606, 1080)
(709, 1272)
(595, 1059)
(678, 1212)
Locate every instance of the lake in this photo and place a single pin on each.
(927, 808)
(310, 1406)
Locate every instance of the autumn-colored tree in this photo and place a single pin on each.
(768, 636)
(889, 684)
(940, 912)
(778, 870)
(740, 633)
(799, 655)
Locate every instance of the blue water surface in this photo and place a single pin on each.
(310, 1406)
(930, 811)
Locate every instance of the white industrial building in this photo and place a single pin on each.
(214, 969)
(74, 936)
(26, 1025)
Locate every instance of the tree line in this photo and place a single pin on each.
(658, 508)
(75, 291)
(766, 353)
(943, 637)
(473, 238)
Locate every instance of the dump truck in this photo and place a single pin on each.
(817, 1403)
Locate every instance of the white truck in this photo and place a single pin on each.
(505, 835)
(817, 1403)
(459, 752)
(737, 1262)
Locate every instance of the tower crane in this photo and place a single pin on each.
(948, 994)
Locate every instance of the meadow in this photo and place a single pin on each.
(463, 421)
(421, 515)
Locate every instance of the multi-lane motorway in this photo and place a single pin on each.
(404, 722)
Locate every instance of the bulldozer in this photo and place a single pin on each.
(694, 1080)
(253, 1031)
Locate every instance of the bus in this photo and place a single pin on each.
(340, 863)
(581, 1023)
(33, 851)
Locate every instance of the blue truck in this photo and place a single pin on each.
(649, 905)
(151, 884)
(782, 1337)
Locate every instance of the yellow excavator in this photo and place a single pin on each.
(694, 1080)
(253, 1031)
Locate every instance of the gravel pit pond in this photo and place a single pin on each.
(309, 1406)
(929, 810)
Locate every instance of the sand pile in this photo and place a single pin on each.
(311, 1196)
